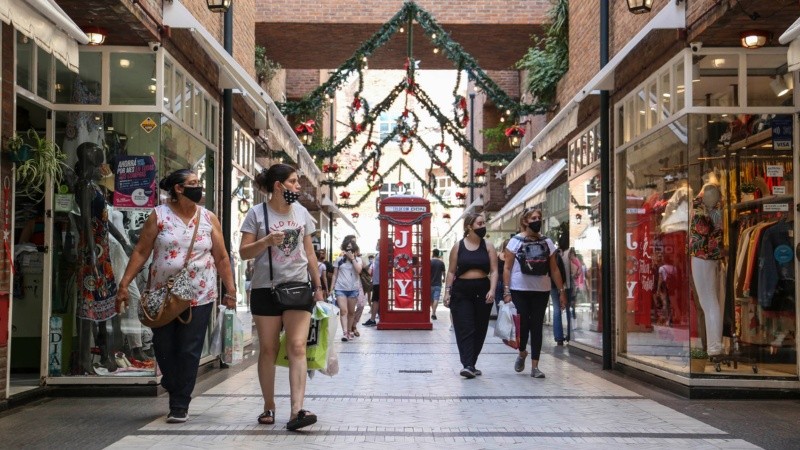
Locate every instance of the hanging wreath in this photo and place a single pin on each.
(359, 114)
(460, 114)
(244, 205)
(398, 263)
(438, 160)
(407, 125)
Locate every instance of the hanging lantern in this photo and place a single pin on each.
(305, 131)
(96, 35)
(754, 38)
(355, 217)
(330, 171)
(218, 6)
(480, 175)
(640, 6)
(515, 134)
(446, 218)
(461, 198)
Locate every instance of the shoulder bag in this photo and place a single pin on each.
(292, 294)
(162, 306)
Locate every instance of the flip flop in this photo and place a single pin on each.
(303, 419)
(267, 417)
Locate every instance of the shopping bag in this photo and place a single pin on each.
(514, 343)
(217, 335)
(332, 366)
(316, 344)
(504, 326)
(233, 343)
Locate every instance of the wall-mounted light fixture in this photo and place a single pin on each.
(640, 6)
(755, 38)
(96, 35)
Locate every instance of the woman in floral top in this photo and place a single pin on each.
(167, 235)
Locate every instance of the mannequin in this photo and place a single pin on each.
(97, 288)
(705, 246)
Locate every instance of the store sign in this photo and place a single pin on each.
(56, 339)
(63, 202)
(774, 171)
(135, 183)
(783, 254)
(777, 207)
(782, 133)
(148, 125)
(778, 190)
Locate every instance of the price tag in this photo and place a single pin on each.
(778, 190)
(774, 171)
(776, 207)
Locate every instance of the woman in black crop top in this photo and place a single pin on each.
(471, 282)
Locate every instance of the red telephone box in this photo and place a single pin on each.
(405, 263)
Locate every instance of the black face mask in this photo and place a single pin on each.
(290, 196)
(535, 226)
(481, 232)
(193, 193)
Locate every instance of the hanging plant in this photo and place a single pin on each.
(45, 160)
(547, 60)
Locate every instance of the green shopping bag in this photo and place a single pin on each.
(316, 345)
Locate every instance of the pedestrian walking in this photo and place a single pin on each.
(321, 270)
(564, 266)
(375, 296)
(530, 264)
(438, 273)
(471, 282)
(347, 285)
(277, 234)
(167, 235)
(363, 296)
(501, 265)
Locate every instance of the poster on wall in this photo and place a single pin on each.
(782, 132)
(135, 183)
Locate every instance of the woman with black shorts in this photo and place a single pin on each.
(286, 232)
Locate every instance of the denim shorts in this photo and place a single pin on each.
(348, 294)
(436, 292)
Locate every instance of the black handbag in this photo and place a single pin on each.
(292, 294)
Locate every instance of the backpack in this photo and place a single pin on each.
(533, 257)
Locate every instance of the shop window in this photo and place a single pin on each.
(678, 76)
(187, 110)
(84, 89)
(197, 110)
(168, 85)
(25, 54)
(667, 93)
(718, 83)
(641, 112)
(652, 105)
(768, 83)
(133, 78)
(44, 67)
(177, 93)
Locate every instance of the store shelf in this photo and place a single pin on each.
(753, 139)
(763, 200)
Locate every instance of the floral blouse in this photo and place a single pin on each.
(169, 253)
(705, 231)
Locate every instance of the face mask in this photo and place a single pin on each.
(481, 232)
(535, 226)
(290, 196)
(193, 193)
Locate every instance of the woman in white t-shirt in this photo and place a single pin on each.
(347, 285)
(283, 252)
(530, 293)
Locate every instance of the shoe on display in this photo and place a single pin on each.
(536, 373)
(177, 415)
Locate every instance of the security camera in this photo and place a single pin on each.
(696, 46)
(154, 46)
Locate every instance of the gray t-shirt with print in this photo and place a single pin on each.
(289, 259)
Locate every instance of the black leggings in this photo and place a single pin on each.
(470, 317)
(531, 306)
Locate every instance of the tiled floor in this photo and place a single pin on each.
(371, 404)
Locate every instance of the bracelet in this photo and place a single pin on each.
(230, 296)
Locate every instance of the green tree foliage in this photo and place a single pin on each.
(548, 59)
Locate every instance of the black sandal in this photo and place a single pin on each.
(267, 417)
(303, 419)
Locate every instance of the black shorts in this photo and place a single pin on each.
(376, 293)
(262, 303)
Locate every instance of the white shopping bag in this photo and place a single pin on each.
(504, 326)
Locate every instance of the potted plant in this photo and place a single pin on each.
(698, 359)
(44, 161)
(748, 191)
(17, 149)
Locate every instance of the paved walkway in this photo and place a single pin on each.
(400, 388)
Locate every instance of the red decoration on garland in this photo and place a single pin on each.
(355, 215)
(461, 196)
(461, 116)
(480, 172)
(515, 130)
(344, 195)
(306, 127)
(330, 168)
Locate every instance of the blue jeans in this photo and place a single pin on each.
(178, 348)
(436, 293)
(558, 327)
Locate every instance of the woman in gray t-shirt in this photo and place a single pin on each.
(347, 285)
(285, 233)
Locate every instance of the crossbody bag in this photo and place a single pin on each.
(292, 294)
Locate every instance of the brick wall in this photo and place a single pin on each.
(508, 80)
(379, 11)
(301, 82)
(244, 38)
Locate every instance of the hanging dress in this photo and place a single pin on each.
(98, 288)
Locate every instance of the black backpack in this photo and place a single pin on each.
(533, 256)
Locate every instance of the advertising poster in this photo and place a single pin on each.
(135, 183)
(403, 271)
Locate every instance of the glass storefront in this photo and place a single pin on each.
(705, 227)
(73, 242)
